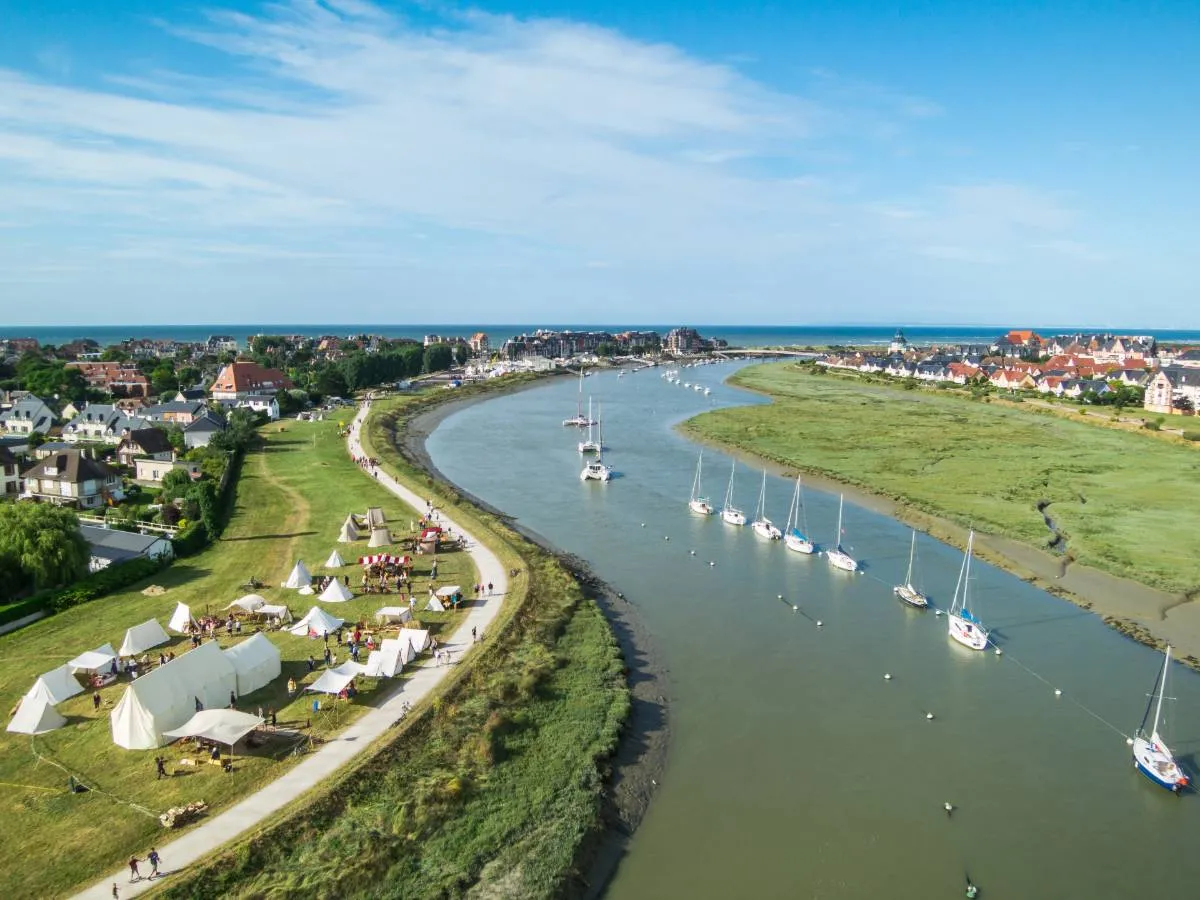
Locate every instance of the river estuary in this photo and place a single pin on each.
(796, 769)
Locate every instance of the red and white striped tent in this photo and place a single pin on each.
(384, 559)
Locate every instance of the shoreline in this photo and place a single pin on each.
(1148, 615)
(641, 754)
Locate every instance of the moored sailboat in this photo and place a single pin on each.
(763, 526)
(591, 445)
(839, 558)
(964, 627)
(793, 537)
(1151, 756)
(907, 592)
(579, 420)
(699, 503)
(730, 514)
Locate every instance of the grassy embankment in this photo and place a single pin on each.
(1127, 503)
(291, 499)
(488, 790)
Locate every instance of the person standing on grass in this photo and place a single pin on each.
(96, 701)
(154, 858)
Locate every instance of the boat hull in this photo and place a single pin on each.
(764, 529)
(1156, 763)
(799, 544)
(596, 473)
(733, 517)
(590, 447)
(969, 634)
(840, 560)
(701, 507)
(911, 595)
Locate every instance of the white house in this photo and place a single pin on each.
(29, 415)
(110, 546)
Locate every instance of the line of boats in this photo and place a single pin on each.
(594, 469)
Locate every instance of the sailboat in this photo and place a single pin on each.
(964, 627)
(792, 535)
(699, 504)
(730, 514)
(590, 445)
(1151, 755)
(595, 469)
(763, 526)
(839, 558)
(579, 420)
(906, 592)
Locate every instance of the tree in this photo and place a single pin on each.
(163, 378)
(204, 495)
(40, 547)
(175, 436)
(332, 383)
(175, 484)
(437, 358)
(188, 376)
(1183, 403)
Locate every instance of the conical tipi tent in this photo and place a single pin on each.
(380, 537)
(335, 561)
(349, 532)
(375, 517)
(36, 714)
(181, 620)
(299, 577)
(336, 593)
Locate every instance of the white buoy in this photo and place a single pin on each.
(999, 652)
(949, 807)
(691, 552)
(937, 613)
(819, 623)
(928, 715)
(1057, 692)
(779, 596)
(887, 677)
(794, 607)
(711, 563)
(1129, 741)
(666, 537)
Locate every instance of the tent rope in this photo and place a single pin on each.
(90, 787)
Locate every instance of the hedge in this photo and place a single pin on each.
(20, 610)
(106, 581)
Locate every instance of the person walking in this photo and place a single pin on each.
(160, 766)
(116, 892)
(154, 858)
(474, 636)
(134, 874)
(96, 701)
(328, 656)
(489, 589)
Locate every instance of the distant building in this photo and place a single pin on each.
(221, 343)
(1169, 387)
(29, 415)
(479, 344)
(109, 546)
(899, 343)
(153, 471)
(10, 475)
(71, 478)
(200, 432)
(151, 443)
(241, 379)
(683, 340)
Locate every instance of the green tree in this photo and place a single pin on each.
(175, 436)
(332, 383)
(40, 547)
(188, 376)
(175, 484)
(437, 358)
(204, 495)
(163, 379)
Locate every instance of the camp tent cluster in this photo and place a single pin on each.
(36, 713)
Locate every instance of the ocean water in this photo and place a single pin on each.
(736, 335)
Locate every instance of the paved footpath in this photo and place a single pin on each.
(201, 842)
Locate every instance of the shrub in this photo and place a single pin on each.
(191, 539)
(1151, 425)
(20, 610)
(1191, 435)
(106, 581)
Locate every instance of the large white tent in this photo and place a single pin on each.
(434, 604)
(393, 653)
(224, 726)
(181, 620)
(165, 698)
(449, 590)
(256, 662)
(58, 684)
(250, 603)
(36, 714)
(336, 592)
(141, 638)
(270, 611)
(333, 681)
(349, 533)
(317, 623)
(375, 517)
(393, 614)
(299, 577)
(380, 537)
(417, 637)
(98, 660)
(335, 561)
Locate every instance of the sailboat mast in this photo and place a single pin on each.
(791, 522)
(762, 497)
(967, 568)
(911, 552)
(729, 490)
(1162, 689)
(841, 500)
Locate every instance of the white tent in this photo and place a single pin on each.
(380, 537)
(393, 614)
(332, 681)
(449, 590)
(141, 638)
(417, 637)
(336, 592)
(256, 662)
(317, 623)
(299, 577)
(285, 614)
(181, 620)
(37, 714)
(250, 603)
(375, 517)
(97, 660)
(224, 726)
(393, 653)
(334, 561)
(349, 532)
(165, 698)
(376, 665)
(57, 684)
(435, 604)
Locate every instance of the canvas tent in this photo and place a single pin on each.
(393, 614)
(223, 726)
(57, 684)
(256, 663)
(393, 653)
(417, 637)
(36, 714)
(317, 623)
(349, 532)
(449, 590)
(284, 614)
(332, 681)
(375, 517)
(165, 698)
(250, 603)
(181, 620)
(299, 577)
(336, 592)
(334, 561)
(435, 604)
(380, 537)
(98, 660)
(141, 638)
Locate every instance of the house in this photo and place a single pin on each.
(197, 394)
(175, 412)
(10, 475)
(1169, 387)
(29, 415)
(102, 423)
(259, 403)
(70, 477)
(1012, 380)
(153, 471)
(201, 430)
(241, 379)
(1052, 384)
(1131, 377)
(1188, 359)
(479, 344)
(221, 343)
(50, 448)
(148, 442)
(122, 379)
(110, 546)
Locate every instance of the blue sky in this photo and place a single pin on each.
(730, 163)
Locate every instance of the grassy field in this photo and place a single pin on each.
(490, 788)
(291, 499)
(1128, 503)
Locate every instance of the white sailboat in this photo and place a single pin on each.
(579, 420)
(1151, 756)
(964, 627)
(591, 445)
(907, 592)
(730, 514)
(793, 537)
(839, 558)
(595, 469)
(763, 526)
(699, 503)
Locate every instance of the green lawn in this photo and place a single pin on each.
(291, 499)
(1128, 503)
